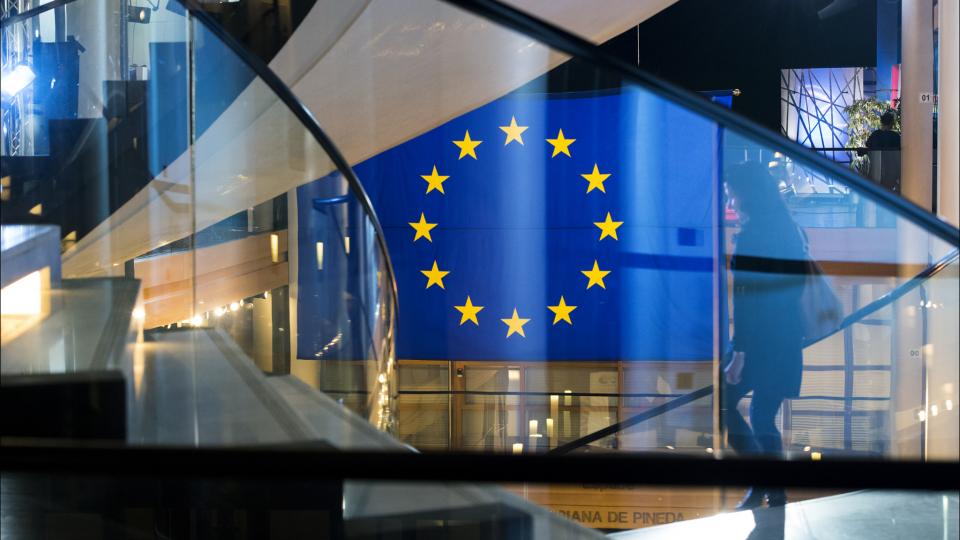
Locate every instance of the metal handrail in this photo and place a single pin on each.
(848, 321)
(282, 92)
(30, 13)
(577, 47)
(293, 103)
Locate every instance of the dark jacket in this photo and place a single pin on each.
(881, 139)
(768, 279)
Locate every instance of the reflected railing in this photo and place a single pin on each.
(254, 166)
(860, 316)
(258, 253)
(180, 177)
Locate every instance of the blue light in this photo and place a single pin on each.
(15, 80)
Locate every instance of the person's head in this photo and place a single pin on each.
(887, 119)
(756, 194)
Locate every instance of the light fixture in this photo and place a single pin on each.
(138, 14)
(274, 248)
(16, 79)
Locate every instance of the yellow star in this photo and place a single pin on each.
(469, 312)
(561, 311)
(434, 180)
(423, 228)
(607, 228)
(596, 179)
(561, 145)
(435, 276)
(467, 146)
(596, 276)
(515, 324)
(513, 131)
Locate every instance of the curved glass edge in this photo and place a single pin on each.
(900, 269)
(194, 132)
(560, 39)
(486, 384)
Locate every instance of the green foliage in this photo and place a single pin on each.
(863, 118)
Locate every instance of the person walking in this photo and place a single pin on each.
(766, 356)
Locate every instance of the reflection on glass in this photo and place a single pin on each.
(612, 220)
(178, 177)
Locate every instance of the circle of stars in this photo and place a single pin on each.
(608, 228)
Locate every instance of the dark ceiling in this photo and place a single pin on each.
(724, 44)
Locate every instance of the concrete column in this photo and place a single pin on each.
(948, 123)
(917, 121)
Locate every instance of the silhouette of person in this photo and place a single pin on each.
(883, 147)
(884, 138)
(768, 278)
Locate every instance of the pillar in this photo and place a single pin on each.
(917, 118)
(948, 122)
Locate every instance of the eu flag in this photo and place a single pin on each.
(548, 227)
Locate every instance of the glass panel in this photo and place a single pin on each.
(171, 168)
(861, 390)
(941, 349)
(560, 235)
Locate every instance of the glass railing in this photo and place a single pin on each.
(518, 221)
(627, 263)
(179, 175)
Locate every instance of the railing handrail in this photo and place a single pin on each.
(847, 321)
(30, 13)
(309, 122)
(577, 47)
(659, 410)
(284, 94)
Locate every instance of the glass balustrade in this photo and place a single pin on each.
(589, 262)
(564, 232)
(179, 176)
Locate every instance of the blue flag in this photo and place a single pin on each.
(543, 227)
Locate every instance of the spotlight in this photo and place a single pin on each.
(16, 79)
(137, 14)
